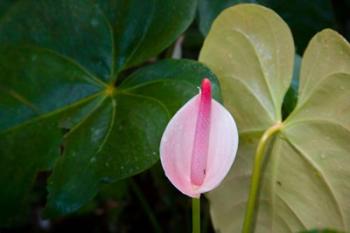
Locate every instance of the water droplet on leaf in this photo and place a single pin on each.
(93, 159)
(94, 22)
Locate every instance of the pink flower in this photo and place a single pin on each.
(199, 144)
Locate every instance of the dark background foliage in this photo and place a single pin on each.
(148, 202)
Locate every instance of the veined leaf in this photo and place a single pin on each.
(306, 175)
(305, 18)
(251, 50)
(114, 133)
(139, 38)
(104, 36)
(58, 66)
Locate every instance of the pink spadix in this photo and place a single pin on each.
(199, 144)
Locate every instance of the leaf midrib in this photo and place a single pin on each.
(262, 72)
(291, 210)
(274, 194)
(137, 46)
(52, 113)
(322, 177)
(111, 32)
(91, 77)
(252, 93)
(95, 80)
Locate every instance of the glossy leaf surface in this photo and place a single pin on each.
(59, 109)
(306, 177)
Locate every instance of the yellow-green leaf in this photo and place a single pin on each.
(251, 50)
(305, 182)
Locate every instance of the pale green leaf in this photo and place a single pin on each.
(251, 50)
(306, 175)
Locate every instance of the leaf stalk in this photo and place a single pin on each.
(249, 218)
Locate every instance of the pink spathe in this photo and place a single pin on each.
(199, 144)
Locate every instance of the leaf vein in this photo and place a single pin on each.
(261, 68)
(326, 121)
(319, 171)
(291, 209)
(149, 98)
(253, 94)
(77, 126)
(111, 31)
(154, 82)
(49, 114)
(110, 125)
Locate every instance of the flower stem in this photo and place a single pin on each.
(249, 218)
(196, 215)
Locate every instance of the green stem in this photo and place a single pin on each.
(145, 206)
(196, 215)
(248, 225)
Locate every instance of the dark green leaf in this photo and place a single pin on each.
(157, 23)
(110, 137)
(56, 64)
(115, 191)
(105, 37)
(150, 80)
(5, 5)
(75, 29)
(291, 98)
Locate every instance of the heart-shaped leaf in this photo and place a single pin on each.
(113, 134)
(252, 52)
(60, 107)
(305, 18)
(103, 36)
(306, 177)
